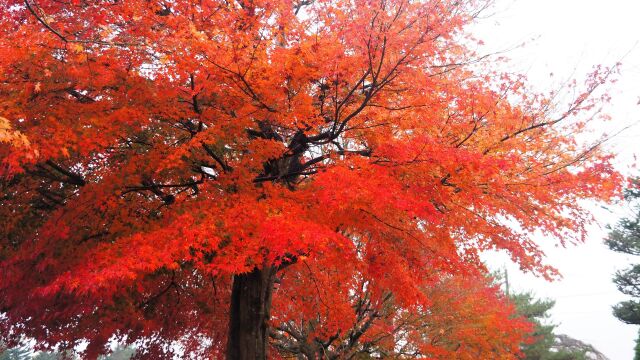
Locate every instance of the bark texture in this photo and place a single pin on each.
(249, 317)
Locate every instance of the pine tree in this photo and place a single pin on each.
(543, 339)
(19, 353)
(625, 238)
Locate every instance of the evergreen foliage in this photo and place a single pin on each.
(625, 238)
(542, 346)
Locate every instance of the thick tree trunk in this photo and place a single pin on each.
(249, 318)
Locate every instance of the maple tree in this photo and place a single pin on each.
(465, 317)
(183, 172)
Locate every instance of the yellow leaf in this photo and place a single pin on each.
(77, 48)
(11, 136)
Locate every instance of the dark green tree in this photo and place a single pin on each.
(545, 345)
(624, 237)
(120, 353)
(17, 353)
(27, 353)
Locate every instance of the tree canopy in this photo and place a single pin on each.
(624, 237)
(193, 174)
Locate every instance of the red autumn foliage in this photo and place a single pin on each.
(151, 152)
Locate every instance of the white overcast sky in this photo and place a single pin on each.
(567, 37)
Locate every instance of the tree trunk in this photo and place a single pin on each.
(249, 317)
